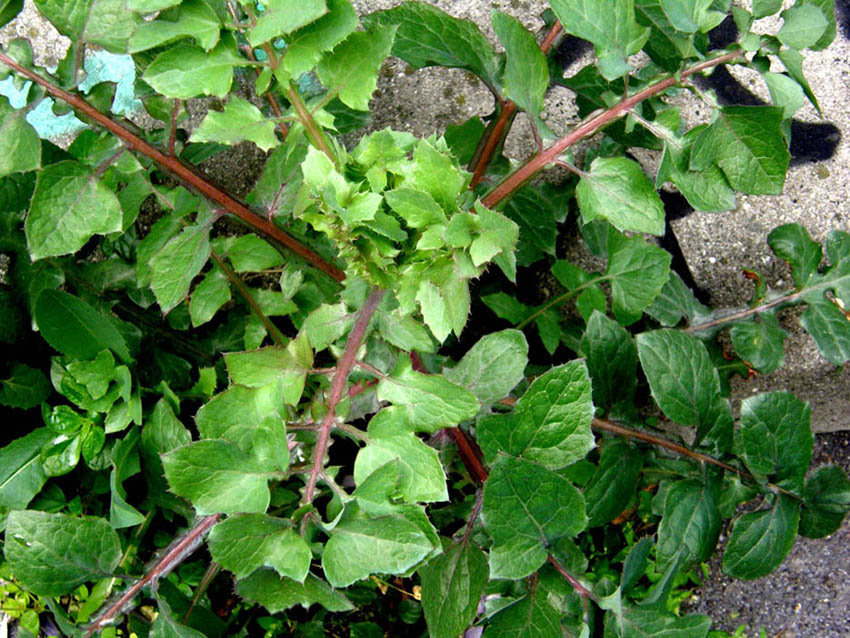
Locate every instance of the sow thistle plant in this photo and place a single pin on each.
(281, 419)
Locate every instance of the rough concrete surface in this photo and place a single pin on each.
(809, 596)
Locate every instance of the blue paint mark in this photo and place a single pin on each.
(100, 66)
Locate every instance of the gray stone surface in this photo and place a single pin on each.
(809, 596)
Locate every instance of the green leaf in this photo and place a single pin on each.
(611, 360)
(691, 16)
(257, 368)
(493, 366)
(707, 189)
(177, 264)
(761, 343)
(278, 594)
(422, 478)
(69, 205)
(326, 324)
(792, 243)
(360, 545)
(427, 36)
(526, 508)
(352, 68)
(804, 25)
(748, 145)
(75, 328)
(194, 19)
(507, 307)
(249, 253)
(775, 439)
(281, 17)
(452, 585)
(217, 476)
(51, 554)
(161, 433)
(244, 543)
(526, 76)
(764, 8)
(785, 93)
(165, 625)
(429, 401)
(690, 526)
(826, 501)
(209, 296)
(20, 148)
(551, 422)
(405, 333)
(235, 413)
(613, 485)
(106, 23)
(637, 272)
(685, 384)
(761, 540)
(304, 47)
(239, 122)
(614, 32)
(676, 301)
(417, 208)
(21, 472)
(616, 189)
(24, 388)
(187, 71)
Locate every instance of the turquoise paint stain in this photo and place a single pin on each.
(100, 66)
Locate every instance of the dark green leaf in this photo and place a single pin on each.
(826, 501)
(651, 622)
(428, 36)
(75, 328)
(125, 463)
(613, 485)
(684, 383)
(674, 302)
(690, 527)
(24, 388)
(775, 439)
(792, 243)
(209, 296)
(51, 554)
(526, 508)
(452, 585)
(761, 540)
(21, 473)
(611, 360)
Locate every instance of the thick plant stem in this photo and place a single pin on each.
(590, 127)
(498, 130)
(749, 312)
(182, 172)
(343, 368)
(172, 557)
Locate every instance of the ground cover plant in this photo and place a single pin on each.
(288, 424)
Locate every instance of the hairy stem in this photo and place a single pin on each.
(749, 312)
(183, 172)
(590, 127)
(175, 554)
(343, 368)
(274, 333)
